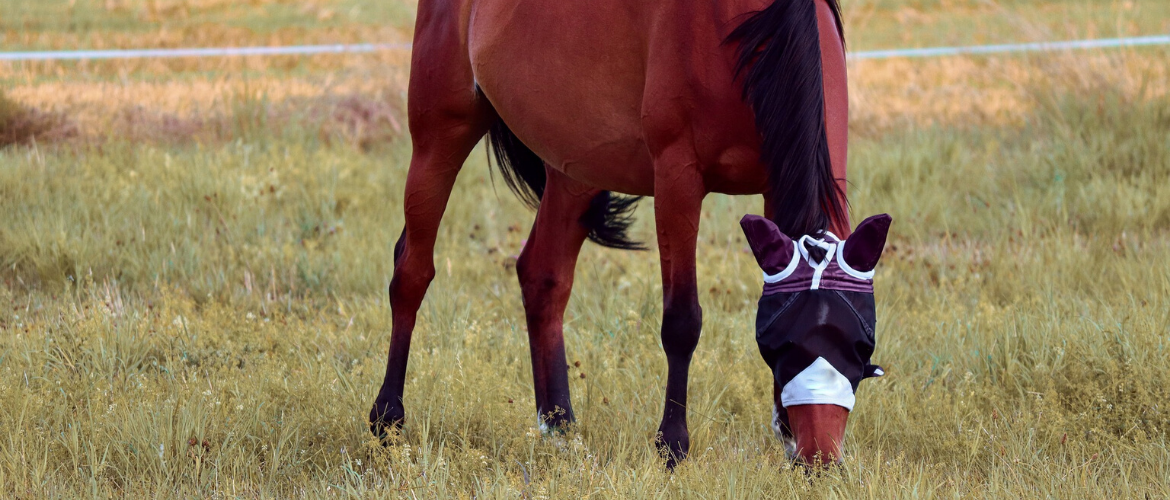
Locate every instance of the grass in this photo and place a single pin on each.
(924, 23)
(20, 124)
(207, 316)
(62, 24)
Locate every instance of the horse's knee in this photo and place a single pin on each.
(682, 320)
(411, 279)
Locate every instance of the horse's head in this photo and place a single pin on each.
(815, 324)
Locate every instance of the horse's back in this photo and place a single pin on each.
(594, 88)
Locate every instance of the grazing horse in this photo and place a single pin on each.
(584, 100)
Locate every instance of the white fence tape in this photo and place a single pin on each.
(67, 55)
(1101, 43)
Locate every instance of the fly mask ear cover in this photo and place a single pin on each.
(815, 324)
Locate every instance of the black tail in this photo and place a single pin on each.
(609, 216)
(521, 168)
(780, 62)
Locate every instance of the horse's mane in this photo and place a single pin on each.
(779, 59)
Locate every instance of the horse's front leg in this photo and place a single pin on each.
(678, 201)
(545, 270)
(433, 169)
(447, 118)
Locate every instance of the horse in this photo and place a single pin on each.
(589, 106)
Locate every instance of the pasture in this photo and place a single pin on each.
(194, 257)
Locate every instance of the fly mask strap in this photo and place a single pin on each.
(818, 267)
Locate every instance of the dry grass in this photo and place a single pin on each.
(207, 317)
(885, 95)
(873, 24)
(21, 124)
(1001, 90)
(363, 110)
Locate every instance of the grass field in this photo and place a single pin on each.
(195, 257)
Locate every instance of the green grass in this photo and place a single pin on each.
(234, 294)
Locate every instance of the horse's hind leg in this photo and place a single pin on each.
(545, 270)
(447, 118)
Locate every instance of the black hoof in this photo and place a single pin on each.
(386, 419)
(673, 447)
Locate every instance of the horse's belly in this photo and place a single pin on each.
(571, 91)
(622, 165)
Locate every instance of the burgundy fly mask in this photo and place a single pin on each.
(816, 318)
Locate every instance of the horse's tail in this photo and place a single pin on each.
(779, 59)
(609, 216)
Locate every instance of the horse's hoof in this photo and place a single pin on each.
(673, 446)
(386, 419)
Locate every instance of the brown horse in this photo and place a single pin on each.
(648, 98)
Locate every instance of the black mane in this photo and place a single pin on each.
(780, 63)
